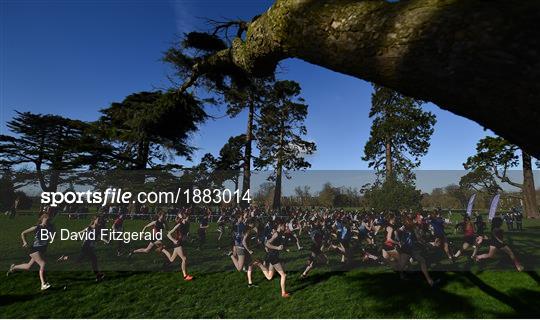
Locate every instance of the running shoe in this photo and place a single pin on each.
(10, 271)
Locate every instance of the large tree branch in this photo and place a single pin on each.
(479, 59)
(504, 178)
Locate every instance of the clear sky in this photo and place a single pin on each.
(73, 57)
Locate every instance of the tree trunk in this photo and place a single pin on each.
(476, 58)
(246, 181)
(54, 179)
(529, 193)
(143, 150)
(276, 204)
(389, 166)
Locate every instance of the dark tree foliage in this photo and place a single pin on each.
(494, 157)
(238, 90)
(149, 128)
(192, 50)
(462, 195)
(203, 174)
(480, 180)
(399, 136)
(7, 190)
(50, 144)
(206, 42)
(393, 194)
(231, 160)
(280, 133)
(476, 58)
(249, 97)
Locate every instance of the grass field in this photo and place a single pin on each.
(145, 290)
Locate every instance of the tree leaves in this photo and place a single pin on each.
(400, 124)
(281, 129)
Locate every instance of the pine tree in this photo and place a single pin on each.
(280, 134)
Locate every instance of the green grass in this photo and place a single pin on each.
(143, 290)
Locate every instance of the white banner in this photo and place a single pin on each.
(493, 207)
(471, 204)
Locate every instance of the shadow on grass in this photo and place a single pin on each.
(401, 298)
(7, 299)
(516, 301)
(534, 275)
(313, 279)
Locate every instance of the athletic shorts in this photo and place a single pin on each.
(497, 244)
(415, 253)
(470, 240)
(389, 246)
(315, 249)
(247, 258)
(40, 249)
(272, 257)
(179, 244)
(241, 251)
(87, 252)
(363, 234)
(442, 238)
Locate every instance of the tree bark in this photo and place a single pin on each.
(529, 192)
(276, 204)
(476, 58)
(143, 150)
(389, 166)
(246, 181)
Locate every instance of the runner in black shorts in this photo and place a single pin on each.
(251, 232)
(37, 250)
(118, 226)
(88, 249)
(411, 247)
(496, 242)
(203, 225)
(344, 238)
(316, 254)
(158, 227)
(177, 235)
(238, 252)
(273, 246)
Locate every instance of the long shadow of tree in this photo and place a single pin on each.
(396, 298)
(518, 299)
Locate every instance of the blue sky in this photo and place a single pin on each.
(74, 57)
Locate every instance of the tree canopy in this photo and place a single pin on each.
(51, 144)
(400, 134)
(150, 127)
(487, 71)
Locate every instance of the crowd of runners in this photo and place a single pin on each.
(256, 240)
